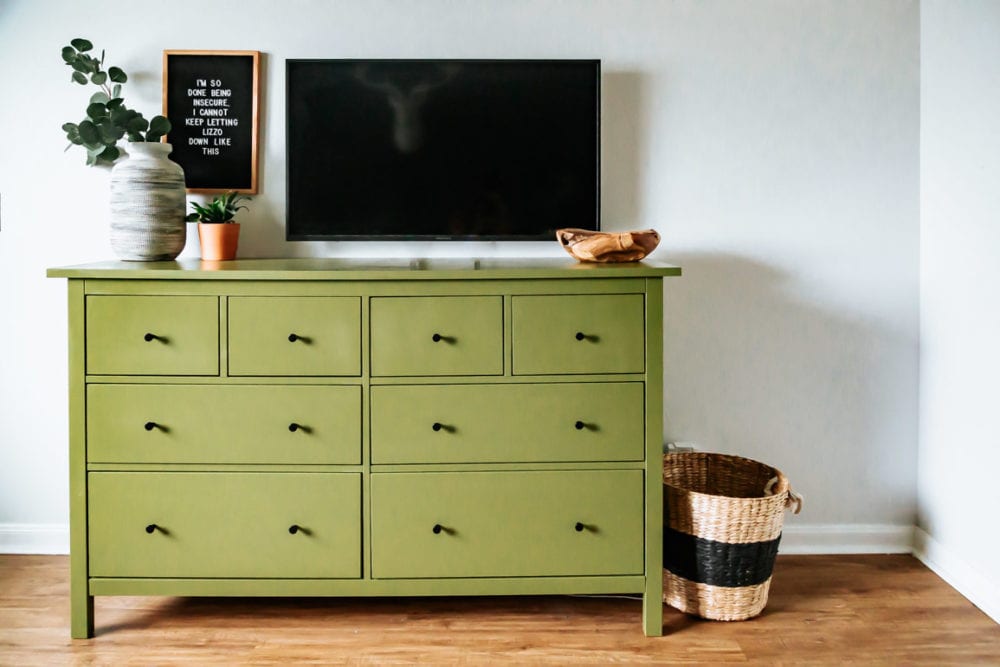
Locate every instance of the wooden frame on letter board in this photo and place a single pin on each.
(255, 129)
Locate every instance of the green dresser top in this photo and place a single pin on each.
(364, 269)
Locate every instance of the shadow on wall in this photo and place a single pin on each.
(623, 128)
(751, 369)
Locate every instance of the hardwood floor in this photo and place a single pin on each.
(823, 610)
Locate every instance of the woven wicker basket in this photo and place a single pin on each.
(722, 523)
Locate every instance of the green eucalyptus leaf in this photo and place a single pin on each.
(102, 56)
(115, 103)
(97, 111)
(110, 154)
(109, 133)
(72, 134)
(91, 160)
(117, 75)
(116, 90)
(159, 125)
(80, 78)
(96, 149)
(89, 132)
(80, 66)
(81, 44)
(99, 78)
(120, 115)
(137, 124)
(99, 96)
(68, 54)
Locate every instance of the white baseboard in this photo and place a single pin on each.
(958, 574)
(846, 539)
(34, 538)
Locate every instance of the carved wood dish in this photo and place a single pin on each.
(590, 246)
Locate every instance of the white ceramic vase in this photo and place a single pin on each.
(147, 204)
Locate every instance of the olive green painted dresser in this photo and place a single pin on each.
(322, 427)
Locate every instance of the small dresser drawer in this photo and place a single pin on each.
(271, 336)
(451, 335)
(601, 333)
(233, 525)
(223, 424)
(507, 423)
(507, 524)
(152, 335)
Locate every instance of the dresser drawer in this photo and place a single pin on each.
(452, 335)
(152, 335)
(234, 525)
(507, 423)
(507, 524)
(601, 333)
(223, 424)
(294, 336)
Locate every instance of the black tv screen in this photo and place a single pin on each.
(442, 149)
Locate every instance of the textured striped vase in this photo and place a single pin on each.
(147, 204)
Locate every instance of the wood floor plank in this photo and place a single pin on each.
(823, 610)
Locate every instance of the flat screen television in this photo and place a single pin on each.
(442, 149)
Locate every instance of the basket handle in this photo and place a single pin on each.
(792, 498)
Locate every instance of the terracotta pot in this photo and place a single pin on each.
(218, 240)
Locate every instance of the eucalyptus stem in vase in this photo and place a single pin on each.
(147, 189)
(107, 120)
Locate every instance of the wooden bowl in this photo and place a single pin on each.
(589, 246)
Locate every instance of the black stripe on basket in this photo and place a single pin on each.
(718, 563)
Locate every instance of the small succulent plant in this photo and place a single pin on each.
(108, 119)
(222, 208)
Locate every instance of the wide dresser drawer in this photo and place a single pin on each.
(495, 423)
(294, 336)
(236, 525)
(578, 334)
(147, 423)
(447, 335)
(152, 335)
(507, 524)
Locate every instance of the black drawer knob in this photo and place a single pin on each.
(293, 529)
(437, 529)
(149, 426)
(579, 527)
(149, 337)
(292, 338)
(151, 528)
(437, 426)
(580, 426)
(437, 338)
(580, 335)
(293, 427)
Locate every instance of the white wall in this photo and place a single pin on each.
(774, 144)
(960, 295)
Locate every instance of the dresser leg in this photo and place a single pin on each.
(652, 613)
(81, 615)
